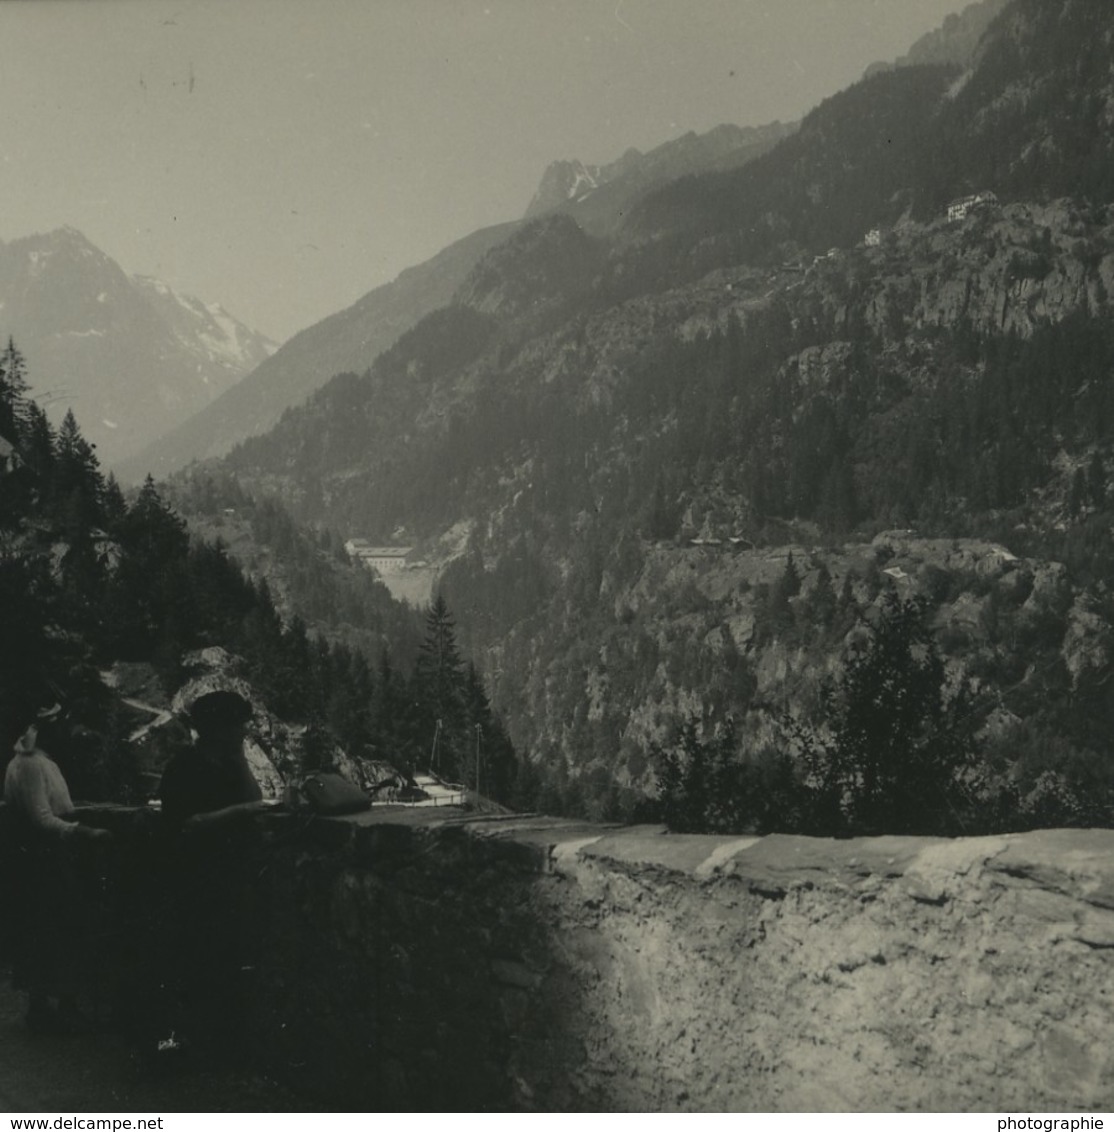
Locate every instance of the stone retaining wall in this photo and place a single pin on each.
(535, 964)
(428, 960)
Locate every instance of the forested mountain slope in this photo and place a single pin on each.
(348, 340)
(955, 41)
(113, 606)
(676, 449)
(351, 339)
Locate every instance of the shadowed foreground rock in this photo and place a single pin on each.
(530, 963)
(427, 959)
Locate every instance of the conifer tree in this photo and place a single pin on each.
(490, 765)
(148, 601)
(153, 529)
(38, 447)
(899, 738)
(77, 486)
(13, 392)
(439, 686)
(390, 714)
(821, 604)
(114, 506)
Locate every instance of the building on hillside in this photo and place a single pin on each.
(959, 208)
(873, 238)
(381, 559)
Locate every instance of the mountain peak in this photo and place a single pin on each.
(561, 182)
(600, 195)
(67, 236)
(131, 356)
(66, 242)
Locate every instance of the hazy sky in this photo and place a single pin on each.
(283, 157)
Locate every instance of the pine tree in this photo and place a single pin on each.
(153, 530)
(38, 448)
(390, 717)
(899, 738)
(779, 614)
(490, 766)
(700, 788)
(821, 605)
(439, 688)
(77, 486)
(114, 506)
(13, 393)
(149, 602)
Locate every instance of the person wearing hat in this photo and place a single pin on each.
(47, 917)
(211, 783)
(207, 791)
(35, 789)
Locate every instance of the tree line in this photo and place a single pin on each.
(89, 577)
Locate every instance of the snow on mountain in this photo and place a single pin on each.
(348, 341)
(598, 196)
(131, 356)
(565, 181)
(207, 329)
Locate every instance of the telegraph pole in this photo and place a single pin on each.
(433, 753)
(479, 735)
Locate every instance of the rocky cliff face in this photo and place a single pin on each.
(604, 662)
(1002, 270)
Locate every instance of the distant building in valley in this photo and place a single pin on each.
(382, 559)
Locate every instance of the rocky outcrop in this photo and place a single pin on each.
(1002, 270)
(277, 751)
